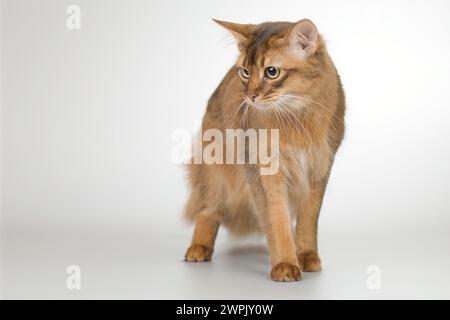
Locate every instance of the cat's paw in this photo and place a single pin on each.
(198, 253)
(309, 261)
(286, 272)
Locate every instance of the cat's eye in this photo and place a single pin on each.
(272, 72)
(244, 73)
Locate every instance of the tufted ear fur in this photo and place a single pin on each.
(303, 38)
(240, 31)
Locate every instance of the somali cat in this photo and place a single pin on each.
(284, 79)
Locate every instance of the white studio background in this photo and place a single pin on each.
(86, 122)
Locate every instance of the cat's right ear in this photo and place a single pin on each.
(240, 31)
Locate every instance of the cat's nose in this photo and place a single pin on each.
(253, 98)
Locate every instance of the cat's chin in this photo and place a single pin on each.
(263, 106)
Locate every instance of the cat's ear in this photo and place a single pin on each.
(240, 31)
(303, 38)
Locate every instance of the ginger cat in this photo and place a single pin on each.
(283, 79)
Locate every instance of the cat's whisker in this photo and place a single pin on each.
(332, 128)
(278, 110)
(312, 101)
(288, 117)
(247, 106)
(297, 119)
(292, 106)
(274, 109)
(236, 110)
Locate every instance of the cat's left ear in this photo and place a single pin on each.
(240, 31)
(303, 38)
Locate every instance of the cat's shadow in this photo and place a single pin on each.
(250, 259)
(256, 249)
(254, 258)
(247, 258)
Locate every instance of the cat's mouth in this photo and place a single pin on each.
(283, 101)
(260, 104)
(265, 103)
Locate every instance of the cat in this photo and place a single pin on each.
(283, 79)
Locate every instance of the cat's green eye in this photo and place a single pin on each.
(244, 73)
(272, 72)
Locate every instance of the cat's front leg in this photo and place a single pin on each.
(270, 200)
(202, 245)
(306, 228)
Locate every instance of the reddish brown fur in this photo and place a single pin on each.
(237, 196)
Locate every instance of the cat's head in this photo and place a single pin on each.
(277, 59)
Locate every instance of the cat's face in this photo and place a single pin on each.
(275, 59)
